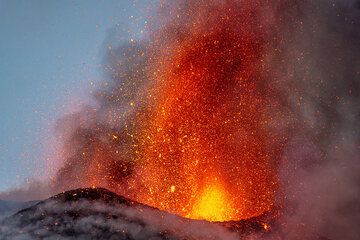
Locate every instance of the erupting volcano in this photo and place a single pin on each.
(188, 114)
(211, 119)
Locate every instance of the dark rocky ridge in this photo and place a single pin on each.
(8, 208)
(96, 213)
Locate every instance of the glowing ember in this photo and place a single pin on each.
(266, 227)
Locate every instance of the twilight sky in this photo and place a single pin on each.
(50, 52)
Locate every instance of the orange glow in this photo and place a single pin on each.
(206, 116)
(213, 204)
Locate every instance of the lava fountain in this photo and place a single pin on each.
(197, 142)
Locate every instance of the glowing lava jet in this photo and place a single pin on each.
(203, 146)
(199, 142)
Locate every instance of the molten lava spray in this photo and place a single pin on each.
(184, 126)
(204, 135)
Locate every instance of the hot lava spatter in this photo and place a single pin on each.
(205, 131)
(198, 141)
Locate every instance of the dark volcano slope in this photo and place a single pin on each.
(8, 208)
(100, 214)
(96, 213)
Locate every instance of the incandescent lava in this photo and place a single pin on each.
(193, 138)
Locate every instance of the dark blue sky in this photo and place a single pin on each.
(50, 52)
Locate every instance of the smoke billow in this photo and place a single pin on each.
(320, 84)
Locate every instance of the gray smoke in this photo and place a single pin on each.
(319, 79)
